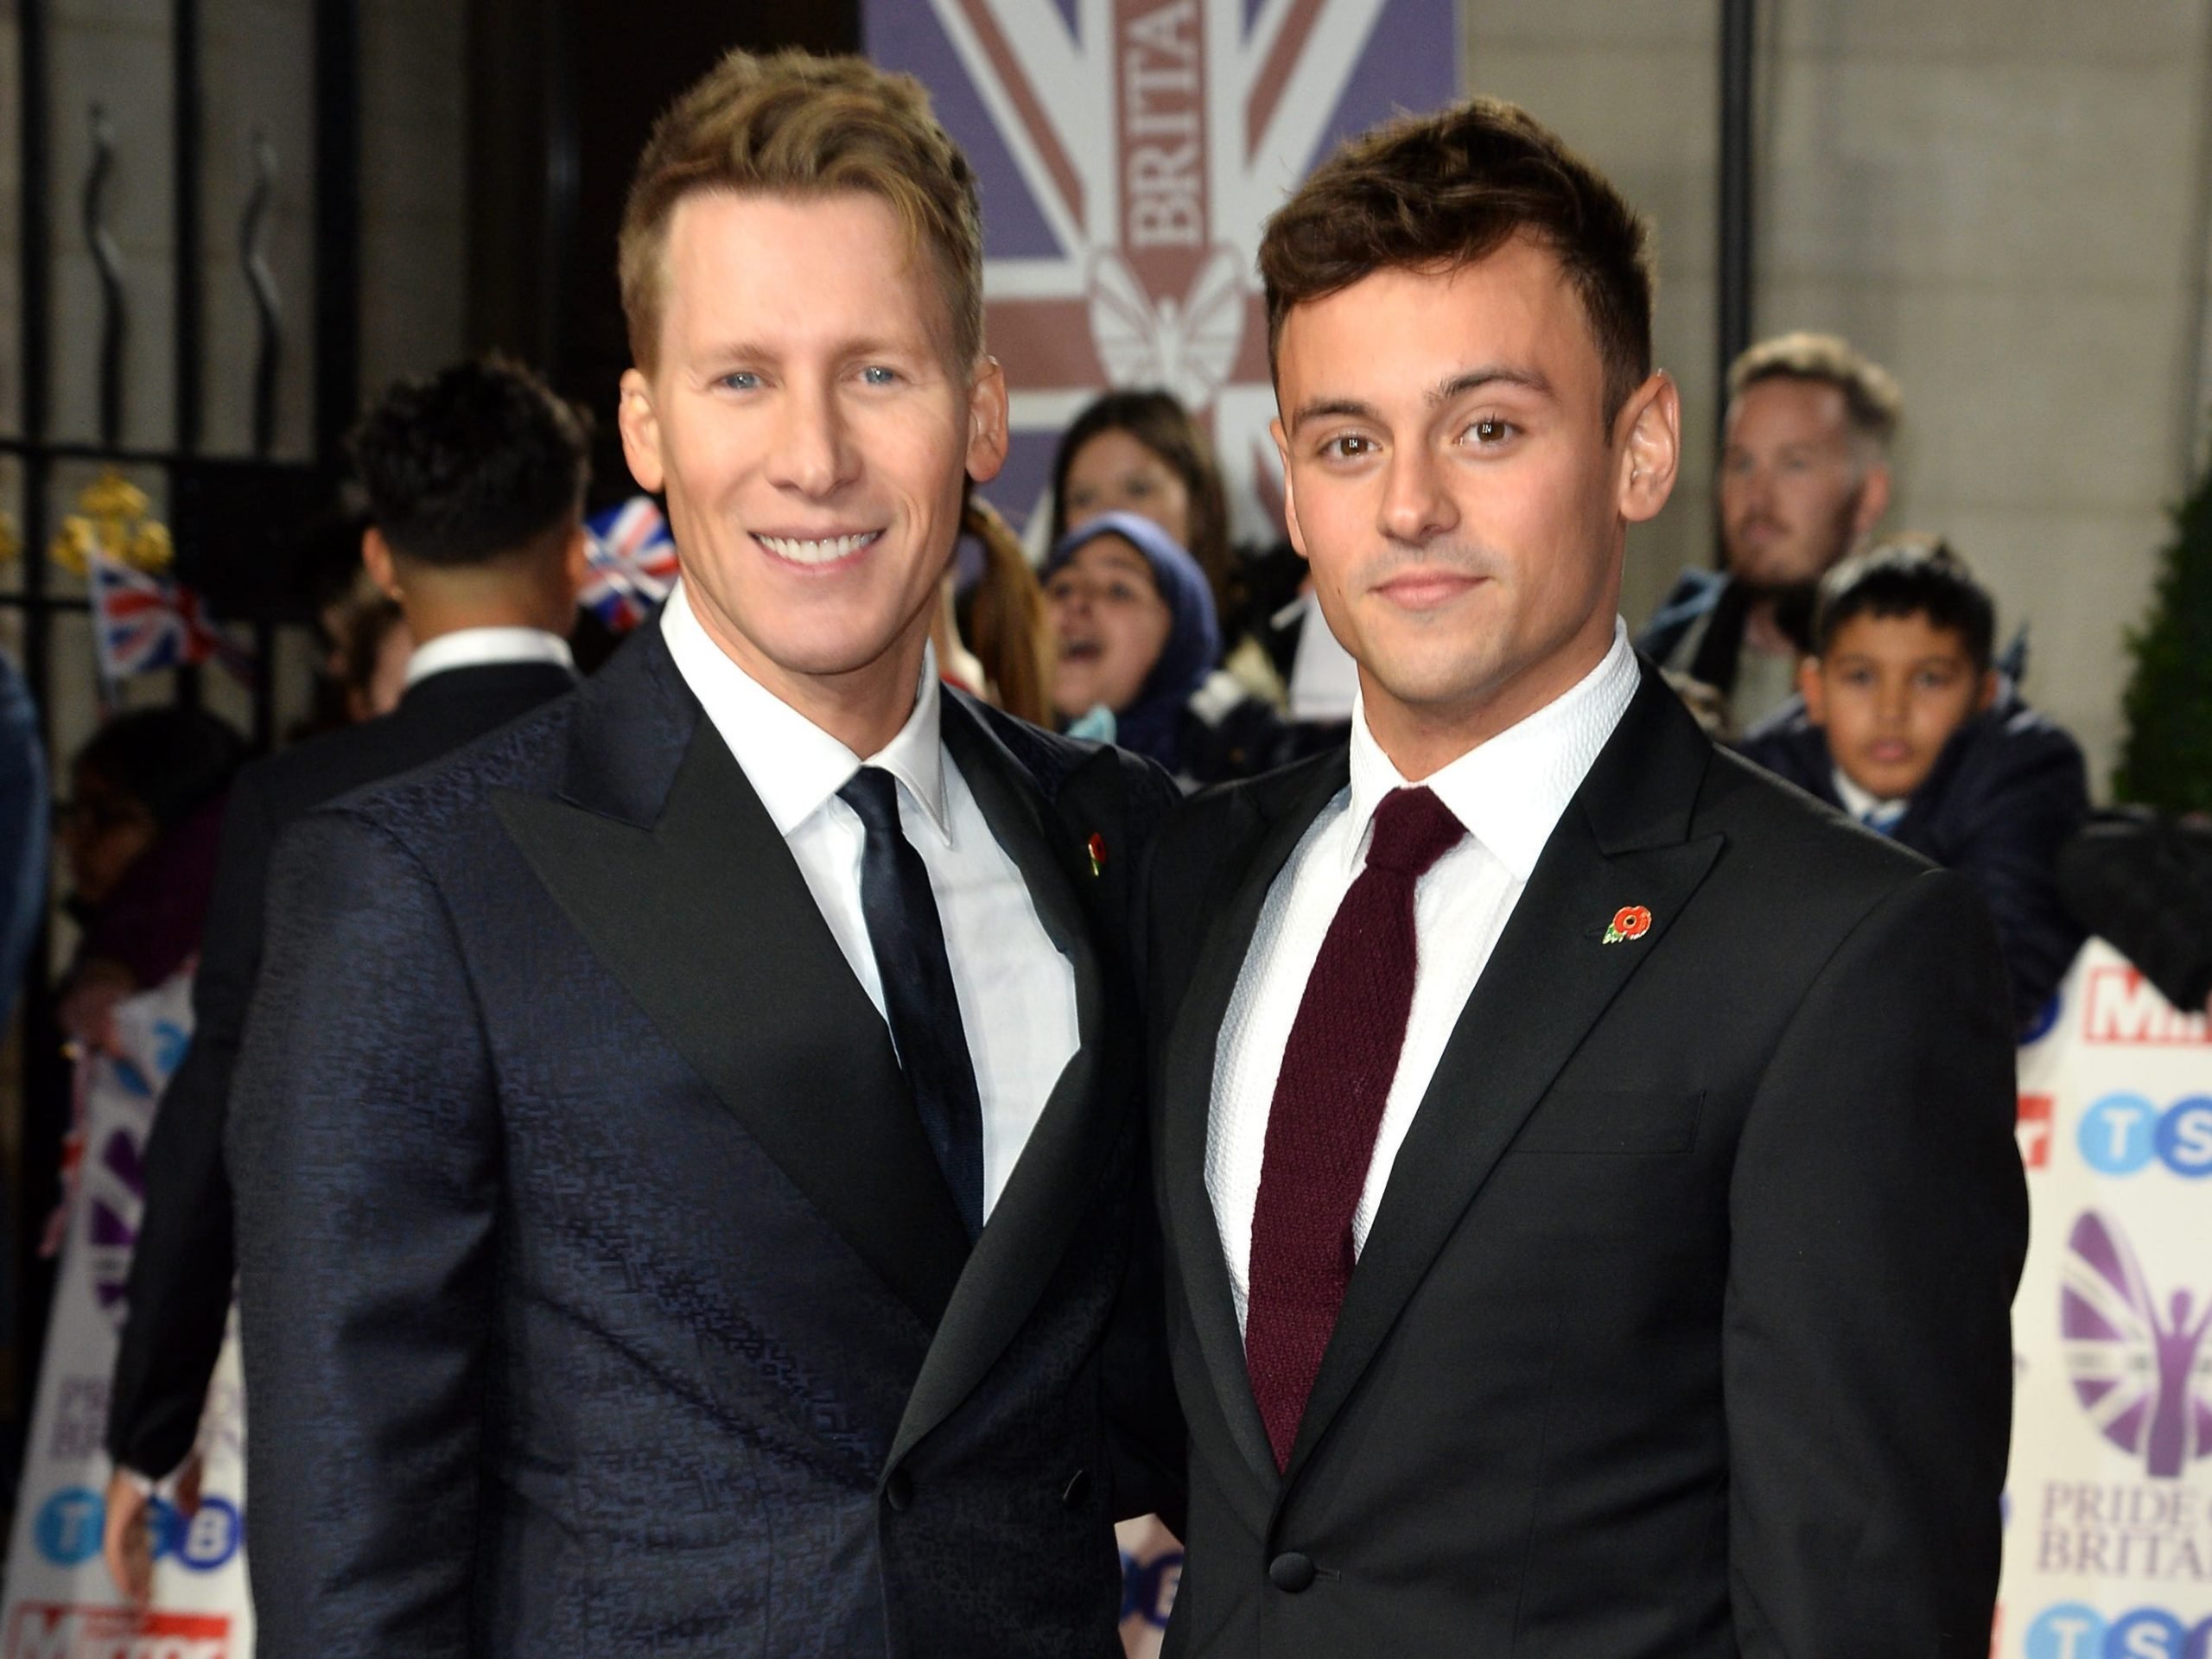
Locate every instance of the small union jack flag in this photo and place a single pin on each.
(142, 622)
(632, 560)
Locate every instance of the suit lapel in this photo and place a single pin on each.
(1047, 1194)
(664, 859)
(1622, 841)
(1267, 841)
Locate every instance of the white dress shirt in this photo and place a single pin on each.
(1870, 809)
(1016, 991)
(479, 647)
(1508, 793)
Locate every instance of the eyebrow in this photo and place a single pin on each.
(1445, 392)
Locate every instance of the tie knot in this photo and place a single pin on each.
(1413, 830)
(873, 793)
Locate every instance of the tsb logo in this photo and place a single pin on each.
(2073, 1632)
(2122, 1133)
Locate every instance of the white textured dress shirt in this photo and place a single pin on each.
(1016, 991)
(479, 647)
(1508, 793)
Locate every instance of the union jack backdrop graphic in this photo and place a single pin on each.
(1129, 152)
(142, 623)
(633, 559)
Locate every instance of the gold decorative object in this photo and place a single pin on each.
(113, 518)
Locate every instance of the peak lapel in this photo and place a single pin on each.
(1187, 1103)
(1027, 1233)
(689, 896)
(1624, 840)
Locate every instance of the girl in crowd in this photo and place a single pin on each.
(1140, 452)
(1133, 619)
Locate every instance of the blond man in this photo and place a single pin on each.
(687, 1160)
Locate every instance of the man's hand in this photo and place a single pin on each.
(127, 1540)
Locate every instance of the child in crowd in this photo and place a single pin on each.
(1901, 722)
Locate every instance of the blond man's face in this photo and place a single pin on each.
(812, 435)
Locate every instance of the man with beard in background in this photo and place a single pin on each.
(1804, 476)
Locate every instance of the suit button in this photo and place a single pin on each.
(1291, 1572)
(899, 1490)
(1077, 1492)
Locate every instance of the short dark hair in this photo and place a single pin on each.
(473, 464)
(1872, 401)
(1440, 191)
(1158, 420)
(170, 760)
(1908, 576)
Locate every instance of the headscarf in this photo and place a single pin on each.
(1150, 724)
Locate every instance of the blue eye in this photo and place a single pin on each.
(876, 375)
(740, 380)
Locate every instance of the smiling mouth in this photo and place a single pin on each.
(1081, 651)
(826, 550)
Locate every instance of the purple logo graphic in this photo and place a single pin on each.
(116, 1191)
(1128, 151)
(2145, 1380)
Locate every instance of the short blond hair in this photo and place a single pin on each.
(1872, 400)
(792, 123)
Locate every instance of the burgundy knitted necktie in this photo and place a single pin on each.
(1336, 1075)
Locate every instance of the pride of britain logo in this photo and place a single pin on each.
(2138, 1358)
(1128, 151)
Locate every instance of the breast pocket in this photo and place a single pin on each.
(1616, 1122)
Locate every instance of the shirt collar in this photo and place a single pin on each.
(1511, 790)
(1866, 806)
(480, 647)
(794, 765)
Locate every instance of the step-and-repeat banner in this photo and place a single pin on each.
(2109, 1527)
(1128, 151)
(59, 1602)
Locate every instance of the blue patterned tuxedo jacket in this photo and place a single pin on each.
(601, 1293)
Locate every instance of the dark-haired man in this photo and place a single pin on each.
(1587, 1168)
(697, 1155)
(474, 480)
(1804, 477)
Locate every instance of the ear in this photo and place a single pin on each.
(987, 422)
(376, 559)
(1989, 684)
(1652, 422)
(575, 561)
(639, 423)
(1874, 499)
(1810, 688)
(1289, 490)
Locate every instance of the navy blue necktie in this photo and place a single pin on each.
(908, 938)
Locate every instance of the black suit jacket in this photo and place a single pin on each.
(184, 1261)
(601, 1292)
(1682, 1327)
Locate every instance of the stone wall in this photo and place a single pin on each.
(2007, 201)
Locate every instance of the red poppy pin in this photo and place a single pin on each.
(1630, 922)
(1097, 847)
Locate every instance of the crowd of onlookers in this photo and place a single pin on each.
(1866, 667)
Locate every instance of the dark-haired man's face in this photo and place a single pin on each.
(813, 438)
(1453, 481)
(1795, 490)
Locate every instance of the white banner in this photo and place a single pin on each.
(60, 1602)
(2108, 1538)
